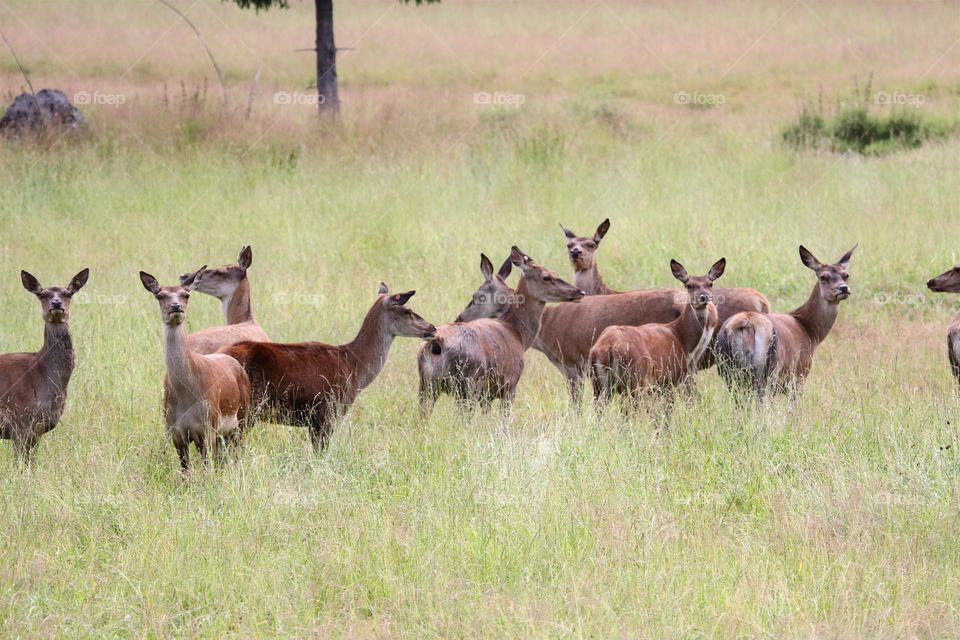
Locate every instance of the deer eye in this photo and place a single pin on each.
(591, 245)
(547, 278)
(824, 279)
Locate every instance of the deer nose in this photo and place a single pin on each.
(844, 288)
(704, 298)
(57, 304)
(574, 253)
(176, 308)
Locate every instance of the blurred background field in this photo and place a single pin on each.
(835, 519)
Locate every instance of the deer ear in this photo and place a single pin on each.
(186, 280)
(570, 235)
(149, 282)
(717, 269)
(679, 272)
(505, 269)
(519, 258)
(809, 260)
(194, 278)
(400, 299)
(845, 260)
(78, 281)
(245, 258)
(383, 289)
(486, 267)
(601, 231)
(30, 283)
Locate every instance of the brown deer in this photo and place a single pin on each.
(949, 282)
(308, 384)
(494, 296)
(774, 352)
(632, 360)
(482, 360)
(569, 331)
(230, 285)
(33, 386)
(206, 397)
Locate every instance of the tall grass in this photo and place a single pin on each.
(831, 518)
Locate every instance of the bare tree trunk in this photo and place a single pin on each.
(329, 100)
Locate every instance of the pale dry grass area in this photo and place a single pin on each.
(831, 518)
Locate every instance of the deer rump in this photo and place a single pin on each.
(481, 360)
(302, 384)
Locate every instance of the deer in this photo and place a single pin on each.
(230, 285)
(568, 332)
(658, 356)
(309, 384)
(494, 296)
(481, 360)
(33, 386)
(773, 353)
(949, 282)
(206, 397)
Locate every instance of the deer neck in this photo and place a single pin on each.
(591, 282)
(367, 353)
(236, 306)
(178, 357)
(524, 314)
(695, 328)
(56, 355)
(817, 316)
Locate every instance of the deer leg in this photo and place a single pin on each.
(428, 396)
(574, 385)
(319, 435)
(183, 452)
(954, 362)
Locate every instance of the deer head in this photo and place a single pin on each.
(401, 321)
(222, 281)
(541, 283)
(54, 301)
(494, 296)
(173, 299)
(699, 288)
(946, 282)
(580, 249)
(831, 278)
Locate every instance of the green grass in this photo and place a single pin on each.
(835, 518)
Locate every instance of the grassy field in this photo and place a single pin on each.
(835, 519)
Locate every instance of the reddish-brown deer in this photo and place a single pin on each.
(482, 360)
(569, 331)
(308, 384)
(231, 286)
(206, 397)
(654, 356)
(774, 352)
(949, 282)
(33, 386)
(494, 296)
